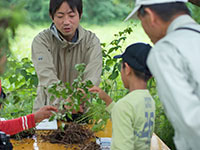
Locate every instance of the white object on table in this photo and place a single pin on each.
(47, 125)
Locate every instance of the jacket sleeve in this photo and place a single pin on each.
(93, 59)
(44, 66)
(15, 126)
(43, 61)
(181, 104)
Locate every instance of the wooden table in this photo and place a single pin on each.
(38, 144)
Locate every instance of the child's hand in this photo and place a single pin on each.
(103, 95)
(100, 92)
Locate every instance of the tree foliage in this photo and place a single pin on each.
(94, 11)
(10, 17)
(195, 11)
(19, 83)
(102, 11)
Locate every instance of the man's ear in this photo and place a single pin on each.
(50, 16)
(152, 16)
(80, 16)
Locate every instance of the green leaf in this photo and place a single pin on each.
(99, 101)
(23, 72)
(67, 85)
(52, 118)
(27, 65)
(64, 93)
(16, 99)
(103, 44)
(114, 75)
(69, 115)
(12, 79)
(113, 49)
(107, 68)
(77, 107)
(62, 127)
(52, 98)
(80, 67)
(109, 62)
(34, 80)
(18, 70)
(75, 81)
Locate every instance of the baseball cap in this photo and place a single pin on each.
(136, 55)
(139, 3)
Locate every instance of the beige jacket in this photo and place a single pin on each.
(55, 58)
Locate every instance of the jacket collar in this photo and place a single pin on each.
(180, 21)
(55, 32)
(76, 39)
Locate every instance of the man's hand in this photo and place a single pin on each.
(44, 113)
(69, 107)
(103, 95)
(81, 110)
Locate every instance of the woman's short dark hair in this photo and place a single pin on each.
(54, 5)
(166, 10)
(139, 74)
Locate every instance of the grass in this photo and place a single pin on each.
(21, 45)
(106, 32)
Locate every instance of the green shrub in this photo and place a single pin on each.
(102, 11)
(195, 12)
(19, 83)
(94, 11)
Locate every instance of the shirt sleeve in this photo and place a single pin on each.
(15, 126)
(171, 71)
(110, 107)
(93, 59)
(122, 130)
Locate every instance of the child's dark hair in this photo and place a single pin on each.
(139, 74)
(54, 5)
